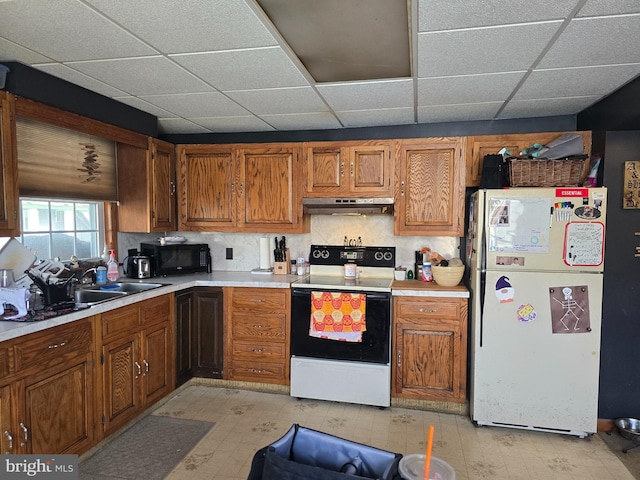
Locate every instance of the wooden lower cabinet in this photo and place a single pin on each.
(199, 334)
(47, 402)
(257, 334)
(137, 359)
(430, 348)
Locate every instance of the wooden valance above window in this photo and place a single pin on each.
(56, 162)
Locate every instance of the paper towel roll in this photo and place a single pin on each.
(265, 253)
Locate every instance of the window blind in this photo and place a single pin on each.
(56, 162)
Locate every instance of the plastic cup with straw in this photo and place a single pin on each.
(427, 458)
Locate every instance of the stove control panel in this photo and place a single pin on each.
(363, 256)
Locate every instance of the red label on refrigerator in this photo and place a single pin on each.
(572, 192)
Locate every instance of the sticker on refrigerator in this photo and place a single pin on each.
(584, 244)
(526, 313)
(570, 309)
(504, 290)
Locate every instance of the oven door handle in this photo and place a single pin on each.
(377, 296)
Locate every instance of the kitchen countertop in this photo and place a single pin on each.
(11, 329)
(417, 288)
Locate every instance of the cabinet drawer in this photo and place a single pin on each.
(155, 310)
(5, 362)
(258, 372)
(259, 326)
(119, 321)
(258, 351)
(259, 299)
(58, 345)
(445, 308)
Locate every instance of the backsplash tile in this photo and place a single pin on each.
(375, 230)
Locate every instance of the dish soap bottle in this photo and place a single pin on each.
(112, 267)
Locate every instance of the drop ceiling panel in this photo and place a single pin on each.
(194, 26)
(574, 82)
(69, 74)
(368, 118)
(596, 41)
(609, 7)
(368, 95)
(279, 100)
(244, 69)
(179, 125)
(145, 106)
(10, 51)
(455, 14)
(458, 113)
(302, 121)
(466, 88)
(66, 30)
(192, 105)
(143, 76)
(545, 107)
(233, 124)
(485, 50)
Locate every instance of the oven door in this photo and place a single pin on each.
(375, 345)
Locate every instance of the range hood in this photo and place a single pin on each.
(348, 206)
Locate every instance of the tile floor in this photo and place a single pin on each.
(248, 420)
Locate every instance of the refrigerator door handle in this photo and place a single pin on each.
(483, 265)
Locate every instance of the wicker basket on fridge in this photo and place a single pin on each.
(534, 172)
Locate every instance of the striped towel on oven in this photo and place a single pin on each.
(338, 316)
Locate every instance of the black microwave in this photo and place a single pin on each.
(177, 258)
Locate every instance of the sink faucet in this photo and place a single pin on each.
(86, 280)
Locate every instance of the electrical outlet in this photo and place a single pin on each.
(229, 253)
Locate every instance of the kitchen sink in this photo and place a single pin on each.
(132, 287)
(96, 294)
(91, 297)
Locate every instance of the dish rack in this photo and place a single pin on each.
(534, 172)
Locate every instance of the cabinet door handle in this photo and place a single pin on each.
(399, 358)
(256, 325)
(10, 439)
(146, 366)
(427, 310)
(351, 169)
(26, 434)
(257, 370)
(402, 188)
(173, 188)
(257, 350)
(258, 300)
(139, 369)
(342, 169)
(57, 345)
(240, 187)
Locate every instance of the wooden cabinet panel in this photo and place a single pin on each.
(184, 333)
(257, 334)
(155, 310)
(54, 347)
(8, 436)
(207, 188)
(348, 169)
(208, 347)
(430, 199)
(120, 388)
(156, 362)
(9, 203)
(146, 187)
(430, 348)
(120, 320)
(479, 146)
(59, 411)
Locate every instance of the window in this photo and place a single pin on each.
(62, 228)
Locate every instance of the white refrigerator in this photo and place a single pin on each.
(536, 259)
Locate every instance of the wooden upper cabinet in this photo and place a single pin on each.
(146, 187)
(207, 179)
(479, 146)
(348, 169)
(249, 188)
(429, 187)
(9, 200)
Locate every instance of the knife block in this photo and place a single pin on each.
(283, 268)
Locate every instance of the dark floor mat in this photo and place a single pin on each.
(150, 449)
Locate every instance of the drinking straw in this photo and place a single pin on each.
(427, 460)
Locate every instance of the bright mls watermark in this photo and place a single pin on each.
(49, 467)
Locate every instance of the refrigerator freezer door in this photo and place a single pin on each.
(545, 229)
(536, 352)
